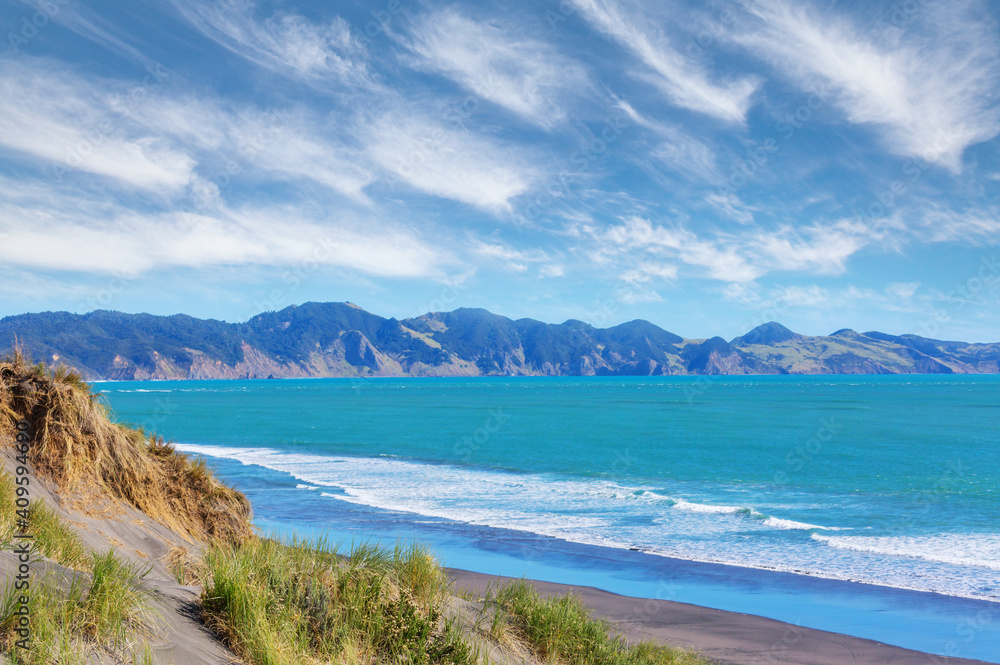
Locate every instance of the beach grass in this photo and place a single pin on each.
(76, 445)
(52, 537)
(560, 629)
(76, 615)
(99, 602)
(275, 603)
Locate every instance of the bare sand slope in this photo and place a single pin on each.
(179, 636)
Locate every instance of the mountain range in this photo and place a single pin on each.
(341, 339)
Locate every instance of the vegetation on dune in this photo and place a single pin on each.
(99, 602)
(76, 445)
(52, 537)
(76, 616)
(298, 603)
(560, 629)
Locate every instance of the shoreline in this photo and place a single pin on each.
(731, 638)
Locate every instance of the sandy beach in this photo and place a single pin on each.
(727, 637)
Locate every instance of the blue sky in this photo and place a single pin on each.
(705, 166)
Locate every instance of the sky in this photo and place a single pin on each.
(707, 166)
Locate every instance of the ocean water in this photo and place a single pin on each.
(865, 505)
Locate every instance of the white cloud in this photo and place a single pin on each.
(938, 224)
(163, 142)
(91, 234)
(448, 163)
(284, 42)
(284, 143)
(823, 249)
(684, 82)
(630, 295)
(517, 260)
(933, 92)
(802, 296)
(748, 256)
(720, 262)
(731, 206)
(296, 146)
(498, 251)
(523, 75)
(895, 297)
(71, 123)
(679, 150)
(902, 290)
(645, 271)
(89, 24)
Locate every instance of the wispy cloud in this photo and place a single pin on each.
(293, 144)
(87, 23)
(721, 262)
(452, 164)
(817, 248)
(524, 75)
(933, 91)
(893, 297)
(81, 233)
(48, 114)
(685, 82)
(517, 260)
(162, 141)
(500, 251)
(284, 42)
(731, 207)
(744, 257)
(972, 226)
(288, 143)
(679, 150)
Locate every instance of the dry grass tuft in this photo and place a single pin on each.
(77, 446)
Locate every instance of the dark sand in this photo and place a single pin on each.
(727, 637)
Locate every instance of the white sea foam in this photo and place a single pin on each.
(690, 506)
(766, 520)
(611, 514)
(981, 550)
(778, 523)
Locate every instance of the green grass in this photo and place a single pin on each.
(72, 615)
(79, 614)
(117, 603)
(53, 538)
(276, 603)
(561, 630)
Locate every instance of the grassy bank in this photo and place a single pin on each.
(298, 603)
(270, 603)
(89, 603)
(560, 629)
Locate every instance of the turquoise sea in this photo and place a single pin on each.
(862, 505)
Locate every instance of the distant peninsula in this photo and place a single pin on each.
(343, 340)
